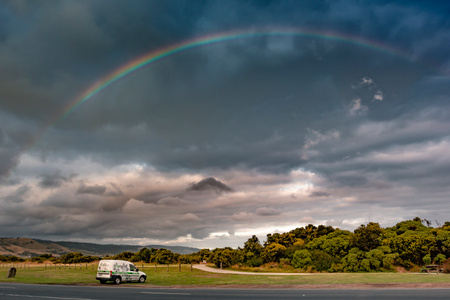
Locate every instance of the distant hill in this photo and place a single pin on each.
(26, 247)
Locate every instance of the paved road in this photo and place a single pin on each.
(10, 291)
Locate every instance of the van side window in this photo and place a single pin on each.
(132, 268)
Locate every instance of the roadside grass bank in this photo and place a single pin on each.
(161, 275)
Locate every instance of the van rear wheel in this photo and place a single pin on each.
(118, 280)
(142, 279)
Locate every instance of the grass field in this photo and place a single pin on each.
(163, 276)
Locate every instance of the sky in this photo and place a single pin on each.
(202, 123)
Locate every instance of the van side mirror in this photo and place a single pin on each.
(137, 269)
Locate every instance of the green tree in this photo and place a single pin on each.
(301, 259)
(322, 261)
(427, 259)
(75, 257)
(442, 237)
(352, 261)
(251, 254)
(368, 237)
(410, 225)
(375, 258)
(411, 246)
(127, 255)
(439, 259)
(273, 252)
(225, 256)
(336, 243)
(164, 256)
(389, 261)
(11, 258)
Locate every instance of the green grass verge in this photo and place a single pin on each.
(160, 276)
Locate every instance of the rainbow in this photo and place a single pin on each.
(223, 37)
(159, 54)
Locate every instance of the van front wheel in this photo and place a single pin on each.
(118, 280)
(142, 279)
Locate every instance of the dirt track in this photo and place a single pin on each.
(442, 285)
(214, 270)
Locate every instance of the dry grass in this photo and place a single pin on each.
(159, 276)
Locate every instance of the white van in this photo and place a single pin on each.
(119, 271)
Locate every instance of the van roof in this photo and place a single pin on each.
(115, 260)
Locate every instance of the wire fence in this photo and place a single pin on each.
(91, 266)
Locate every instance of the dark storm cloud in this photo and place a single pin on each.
(319, 194)
(210, 183)
(18, 195)
(265, 211)
(49, 49)
(14, 135)
(91, 189)
(54, 179)
(328, 129)
(8, 159)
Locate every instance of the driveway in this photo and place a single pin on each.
(214, 270)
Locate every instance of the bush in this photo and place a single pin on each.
(284, 262)
(11, 258)
(389, 261)
(164, 256)
(439, 259)
(75, 257)
(322, 260)
(254, 262)
(224, 256)
(301, 259)
(446, 266)
(43, 257)
(427, 259)
(127, 255)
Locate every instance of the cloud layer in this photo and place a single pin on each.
(212, 145)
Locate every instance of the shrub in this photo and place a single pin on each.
(255, 262)
(446, 266)
(285, 262)
(301, 259)
(427, 259)
(322, 260)
(389, 261)
(224, 256)
(439, 259)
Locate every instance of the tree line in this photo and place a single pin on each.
(408, 244)
(324, 248)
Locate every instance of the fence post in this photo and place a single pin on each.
(167, 267)
(191, 266)
(155, 267)
(179, 267)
